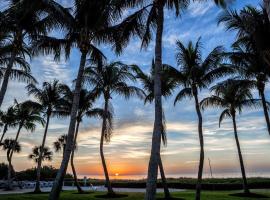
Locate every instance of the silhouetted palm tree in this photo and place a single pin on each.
(152, 18)
(50, 100)
(167, 86)
(86, 109)
(36, 154)
(252, 47)
(22, 21)
(21, 70)
(27, 114)
(84, 32)
(195, 74)
(108, 80)
(10, 145)
(232, 95)
(8, 120)
(60, 144)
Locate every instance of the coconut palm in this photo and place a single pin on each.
(84, 32)
(60, 144)
(22, 21)
(27, 114)
(21, 70)
(10, 145)
(36, 151)
(50, 100)
(195, 74)
(8, 120)
(251, 66)
(108, 80)
(232, 95)
(152, 18)
(85, 110)
(167, 86)
(251, 49)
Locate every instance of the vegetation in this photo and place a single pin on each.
(27, 30)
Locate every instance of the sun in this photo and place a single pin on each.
(116, 174)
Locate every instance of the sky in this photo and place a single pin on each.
(128, 152)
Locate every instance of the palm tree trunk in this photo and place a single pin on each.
(245, 185)
(10, 158)
(9, 185)
(201, 162)
(37, 187)
(57, 186)
(4, 133)
(265, 110)
(267, 7)
(72, 160)
(158, 126)
(108, 183)
(6, 77)
(164, 181)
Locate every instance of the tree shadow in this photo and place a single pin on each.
(171, 198)
(84, 192)
(111, 196)
(250, 195)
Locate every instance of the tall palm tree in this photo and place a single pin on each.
(10, 145)
(195, 74)
(232, 95)
(108, 80)
(36, 154)
(152, 18)
(84, 32)
(252, 47)
(27, 114)
(50, 100)
(86, 109)
(167, 86)
(8, 119)
(22, 21)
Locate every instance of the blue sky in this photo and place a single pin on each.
(133, 122)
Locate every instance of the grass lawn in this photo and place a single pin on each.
(188, 195)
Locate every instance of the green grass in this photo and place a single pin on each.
(187, 195)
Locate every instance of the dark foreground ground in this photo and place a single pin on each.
(187, 195)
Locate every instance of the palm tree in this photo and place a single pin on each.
(10, 145)
(232, 95)
(195, 74)
(21, 70)
(251, 49)
(85, 110)
(15, 22)
(50, 100)
(27, 114)
(167, 86)
(84, 32)
(8, 120)
(154, 15)
(60, 144)
(107, 80)
(36, 154)
(251, 66)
